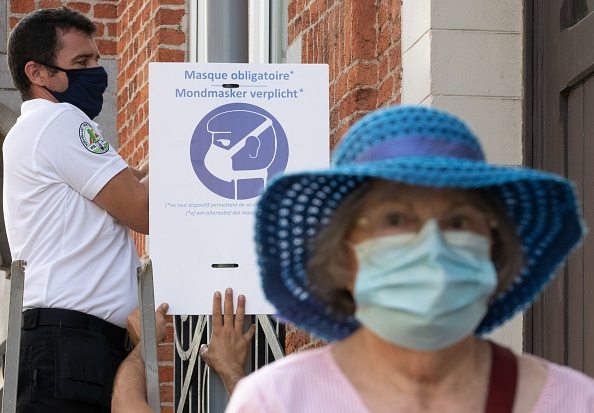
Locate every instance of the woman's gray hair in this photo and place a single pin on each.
(329, 268)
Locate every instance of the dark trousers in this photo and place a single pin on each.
(67, 369)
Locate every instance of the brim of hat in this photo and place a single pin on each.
(294, 207)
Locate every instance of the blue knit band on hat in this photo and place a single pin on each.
(417, 146)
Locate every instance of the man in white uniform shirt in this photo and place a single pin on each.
(69, 202)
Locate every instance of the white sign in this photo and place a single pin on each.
(219, 132)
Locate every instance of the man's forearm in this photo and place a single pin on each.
(129, 390)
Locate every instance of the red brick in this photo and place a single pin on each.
(295, 340)
(385, 39)
(341, 86)
(100, 29)
(383, 13)
(112, 29)
(166, 374)
(166, 55)
(171, 36)
(22, 6)
(322, 7)
(339, 133)
(298, 26)
(300, 6)
(347, 106)
(291, 34)
(291, 9)
(363, 74)
(49, 4)
(333, 119)
(364, 20)
(395, 57)
(383, 71)
(314, 12)
(166, 392)
(395, 10)
(106, 47)
(306, 22)
(172, 2)
(84, 8)
(366, 98)
(105, 11)
(166, 351)
(169, 16)
(385, 92)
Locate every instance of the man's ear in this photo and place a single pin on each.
(37, 73)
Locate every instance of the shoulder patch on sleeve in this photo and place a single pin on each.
(91, 139)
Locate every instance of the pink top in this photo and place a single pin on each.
(311, 381)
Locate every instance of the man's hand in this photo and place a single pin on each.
(134, 324)
(129, 390)
(227, 350)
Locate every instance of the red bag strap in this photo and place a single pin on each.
(502, 384)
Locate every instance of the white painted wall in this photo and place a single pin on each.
(466, 57)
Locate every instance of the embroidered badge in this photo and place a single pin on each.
(92, 140)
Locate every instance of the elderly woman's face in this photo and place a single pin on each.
(393, 208)
(422, 270)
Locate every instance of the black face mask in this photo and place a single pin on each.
(85, 89)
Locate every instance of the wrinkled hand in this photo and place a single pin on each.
(134, 324)
(227, 350)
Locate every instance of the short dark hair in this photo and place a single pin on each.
(36, 38)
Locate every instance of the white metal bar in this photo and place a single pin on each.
(149, 334)
(194, 351)
(259, 31)
(275, 35)
(13, 341)
(271, 336)
(193, 31)
(200, 34)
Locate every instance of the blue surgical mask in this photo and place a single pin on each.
(85, 89)
(424, 291)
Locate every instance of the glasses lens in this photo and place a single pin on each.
(388, 220)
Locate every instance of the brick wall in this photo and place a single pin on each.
(148, 31)
(360, 41)
(102, 13)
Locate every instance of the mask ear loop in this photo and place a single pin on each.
(51, 66)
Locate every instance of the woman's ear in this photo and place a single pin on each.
(37, 73)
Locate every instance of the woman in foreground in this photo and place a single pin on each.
(403, 254)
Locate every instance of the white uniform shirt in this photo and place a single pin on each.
(78, 256)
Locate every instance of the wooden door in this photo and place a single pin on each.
(559, 137)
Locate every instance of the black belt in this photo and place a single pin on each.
(58, 317)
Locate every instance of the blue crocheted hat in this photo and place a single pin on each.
(417, 146)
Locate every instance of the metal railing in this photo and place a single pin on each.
(2, 365)
(195, 391)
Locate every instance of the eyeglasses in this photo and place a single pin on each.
(389, 220)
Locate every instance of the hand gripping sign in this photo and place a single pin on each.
(218, 134)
